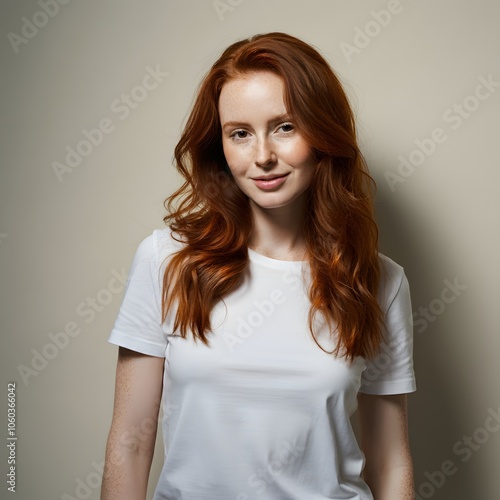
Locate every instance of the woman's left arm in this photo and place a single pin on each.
(384, 440)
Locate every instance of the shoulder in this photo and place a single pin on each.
(392, 279)
(159, 245)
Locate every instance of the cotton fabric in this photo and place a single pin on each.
(262, 413)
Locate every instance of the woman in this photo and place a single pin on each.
(264, 313)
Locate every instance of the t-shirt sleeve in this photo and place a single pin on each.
(138, 326)
(391, 371)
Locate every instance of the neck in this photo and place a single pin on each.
(277, 232)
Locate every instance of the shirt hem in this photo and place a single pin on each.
(123, 340)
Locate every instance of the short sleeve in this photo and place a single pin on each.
(138, 326)
(391, 371)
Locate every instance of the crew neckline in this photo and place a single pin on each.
(275, 263)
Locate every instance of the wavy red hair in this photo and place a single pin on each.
(212, 216)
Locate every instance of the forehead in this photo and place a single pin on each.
(259, 91)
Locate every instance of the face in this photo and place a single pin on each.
(268, 158)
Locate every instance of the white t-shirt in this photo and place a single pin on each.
(263, 413)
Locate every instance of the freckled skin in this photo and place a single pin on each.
(384, 440)
(260, 138)
(131, 440)
(260, 143)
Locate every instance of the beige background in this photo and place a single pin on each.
(62, 238)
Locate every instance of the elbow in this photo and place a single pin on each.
(137, 442)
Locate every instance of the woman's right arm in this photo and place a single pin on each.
(132, 436)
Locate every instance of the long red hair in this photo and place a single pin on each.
(213, 219)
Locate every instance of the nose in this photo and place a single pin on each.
(264, 155)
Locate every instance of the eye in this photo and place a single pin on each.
(286, 127)
(239, 134)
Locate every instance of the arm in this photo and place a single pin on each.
(385, 443)
(131, 440)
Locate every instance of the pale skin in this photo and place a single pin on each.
(131, 441)
(259, 139)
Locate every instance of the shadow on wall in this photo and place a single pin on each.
(435, 409)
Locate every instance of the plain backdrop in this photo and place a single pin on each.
(423, 78)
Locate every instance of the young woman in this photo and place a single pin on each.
(263, 314)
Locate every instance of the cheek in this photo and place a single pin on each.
(297, 153)
(304, 162)
(236, 157)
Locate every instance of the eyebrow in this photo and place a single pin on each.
(275, 119)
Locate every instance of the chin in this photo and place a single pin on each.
(269, 205)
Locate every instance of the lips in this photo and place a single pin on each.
(268, 178)
(270, 182)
